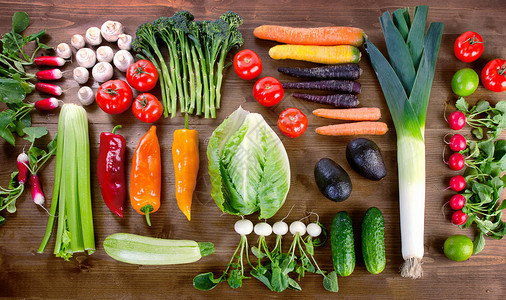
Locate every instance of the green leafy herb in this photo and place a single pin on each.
(482, 115)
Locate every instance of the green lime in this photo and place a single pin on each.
(465, 82)
(458, 247)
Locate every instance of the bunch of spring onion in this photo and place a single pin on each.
(71, 190)
(192, 74)
(406, 83)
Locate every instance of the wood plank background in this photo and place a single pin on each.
(24, 273)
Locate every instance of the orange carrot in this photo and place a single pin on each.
(357, 128)
(352, 114)
(329, 55)
(322, 36)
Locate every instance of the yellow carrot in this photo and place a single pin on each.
(357, 128)
(351, 114)
(322, 36)
(317, 54)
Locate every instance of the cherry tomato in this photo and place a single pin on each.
(292, 122)
(457, 202)
(459, 218)
(493, 75)
(268, 91)
(114, 96)
(147, 108)
(469, 46)
(247, 64)
(142, 75)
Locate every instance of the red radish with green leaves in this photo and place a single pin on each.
(37, 195)
(459, 217)
(52, 74)
(22, 162)
(53, 61)
(47, 104)
(48, 88)
(457, 202)
(456, 161)
(457, 142)
(457, 120)
(457, 183)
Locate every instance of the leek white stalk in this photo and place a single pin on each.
(406, 82)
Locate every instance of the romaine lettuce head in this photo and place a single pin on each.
(248, 166)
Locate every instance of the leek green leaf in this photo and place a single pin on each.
(415, 41)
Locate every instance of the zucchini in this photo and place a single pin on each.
(373, 241)
(143, 250)
(343, 247)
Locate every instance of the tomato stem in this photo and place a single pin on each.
(474, 40)
(502, 70)
(143, 102)
(111, 91)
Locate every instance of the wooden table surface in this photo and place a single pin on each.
(25, 273)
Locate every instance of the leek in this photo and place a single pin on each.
(406, 82)
(71, 191)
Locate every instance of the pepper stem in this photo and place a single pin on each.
(186, 121)
(116, 128)
(146, 210)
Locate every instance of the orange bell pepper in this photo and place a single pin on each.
(146, 175)
(185, 155)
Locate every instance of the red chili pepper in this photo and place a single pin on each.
(111, 170)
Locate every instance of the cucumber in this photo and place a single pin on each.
(373, 241)
(142, 250)
(343, 247)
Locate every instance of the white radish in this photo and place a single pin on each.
(298, 227)
(102, 71)
(86, 95)
(81, 75)
(243, 227)
(86, 58)
(125, 41)
(63, 50)
(111, 30)
(313, 229)
(280, 228)
(123, 59)
(77, 41)
(93, 36)
(105, 53)
(263, 229)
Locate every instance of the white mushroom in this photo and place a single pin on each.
(102, 71)
(63, 50)
(81, 75)
(111, 30)
(125, 41)
(93, 36)
(122, 60)
(77, 41)
(86, 57)
(105, 53)
(85, 95)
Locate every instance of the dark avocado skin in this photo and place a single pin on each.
(332, 180)
(364, 156)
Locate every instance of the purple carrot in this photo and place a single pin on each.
(52, 74)
(22, 163)
(342, 86)
(342, 71)
(337, 100)
(37, 195)
(48, 88)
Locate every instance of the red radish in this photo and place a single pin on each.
(47, 104)
(457, 120)
(456, 161)
(457, 183)
(48, 88)
(458, 143)
(37, 195)
(52, 74)
(49, 61)
(22, 162)
(459, 218)
(457, 202)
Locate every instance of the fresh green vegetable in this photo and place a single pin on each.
(192, 75)
(142, 250)
(248, 166)
(458, 247)
(482, 115)
(406, 83)
(343, 246)
(373, 241)
(464, 82)
(71, 189)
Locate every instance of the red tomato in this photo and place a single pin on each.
(493, 75)
(268, 91)
(469, 46)
(292, 122)
(247, 64)
(147, 108)
(142, 75)
(114, 96)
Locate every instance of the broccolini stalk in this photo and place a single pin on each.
(180, 22)
(195, 35)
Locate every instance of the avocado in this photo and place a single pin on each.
(332, 180)
(364, 156)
